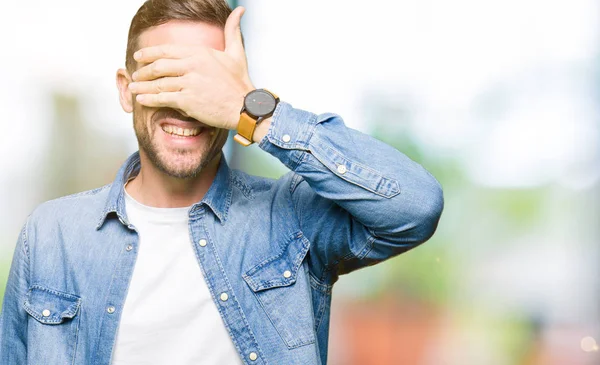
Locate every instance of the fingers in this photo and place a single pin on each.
(233, 33)
(151, 54)
(160, 85)
(163, 100)
(160, 68)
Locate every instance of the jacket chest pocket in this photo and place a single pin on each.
(53, 325)
(281, 286)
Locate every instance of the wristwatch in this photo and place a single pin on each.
(259, 105)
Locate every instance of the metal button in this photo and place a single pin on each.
(129, 247)
(341, 169)
(224, 297)
(45, 313)
(253, 356)
(287, 274)
(202, 242)
(287, 138)
(110, 309)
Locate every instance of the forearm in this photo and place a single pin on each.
(394, 198)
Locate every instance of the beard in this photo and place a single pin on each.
(181, 163)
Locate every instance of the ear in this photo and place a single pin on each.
(125, 96)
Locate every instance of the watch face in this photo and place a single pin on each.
(260, 103)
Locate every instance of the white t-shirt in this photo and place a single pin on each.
(169, 316)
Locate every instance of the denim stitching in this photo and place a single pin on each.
(76, 337)
(112, 280)
(300, 343)
(393, 181)
(319, 285)
(277, 282)
(321, 311)
(70, 311)
(239, 182)
(220, 308)
(83, 193)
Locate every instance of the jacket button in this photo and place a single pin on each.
(253, 356)
(341, 169)
(110, 309)
(46, 313)
(129, 247)
(202, 243)
(286, 138)
(287, 274)
(224, 297)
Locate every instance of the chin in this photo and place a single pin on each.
(177, 164)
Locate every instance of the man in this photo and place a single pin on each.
(182, 260)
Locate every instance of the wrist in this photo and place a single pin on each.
(255, 116)
(261, 130)
(237, 107)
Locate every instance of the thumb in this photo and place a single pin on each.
(233, 33)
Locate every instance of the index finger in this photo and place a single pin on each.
(151, 54)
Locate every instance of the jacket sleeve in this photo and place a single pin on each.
(13, 318)
(359, 201)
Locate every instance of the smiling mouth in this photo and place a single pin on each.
(181, 132)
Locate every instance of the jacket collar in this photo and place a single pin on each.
(217, 198)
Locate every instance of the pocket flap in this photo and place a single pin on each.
(281, 269)
(50, 306)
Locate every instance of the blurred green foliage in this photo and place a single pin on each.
(433, 271)
(425, 272)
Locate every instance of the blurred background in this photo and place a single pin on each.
(499, 99)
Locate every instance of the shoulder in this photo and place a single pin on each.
(74, 208)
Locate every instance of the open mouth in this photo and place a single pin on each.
(175, 124)
(181, 132)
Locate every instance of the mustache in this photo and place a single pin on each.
(164, 113)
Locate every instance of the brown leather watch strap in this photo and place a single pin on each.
(247, 125)
(245, 130)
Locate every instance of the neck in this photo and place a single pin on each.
(154, 188)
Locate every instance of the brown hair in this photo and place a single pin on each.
(157, 12)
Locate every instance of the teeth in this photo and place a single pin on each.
(183, 132)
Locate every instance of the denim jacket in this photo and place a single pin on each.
(276, 247)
